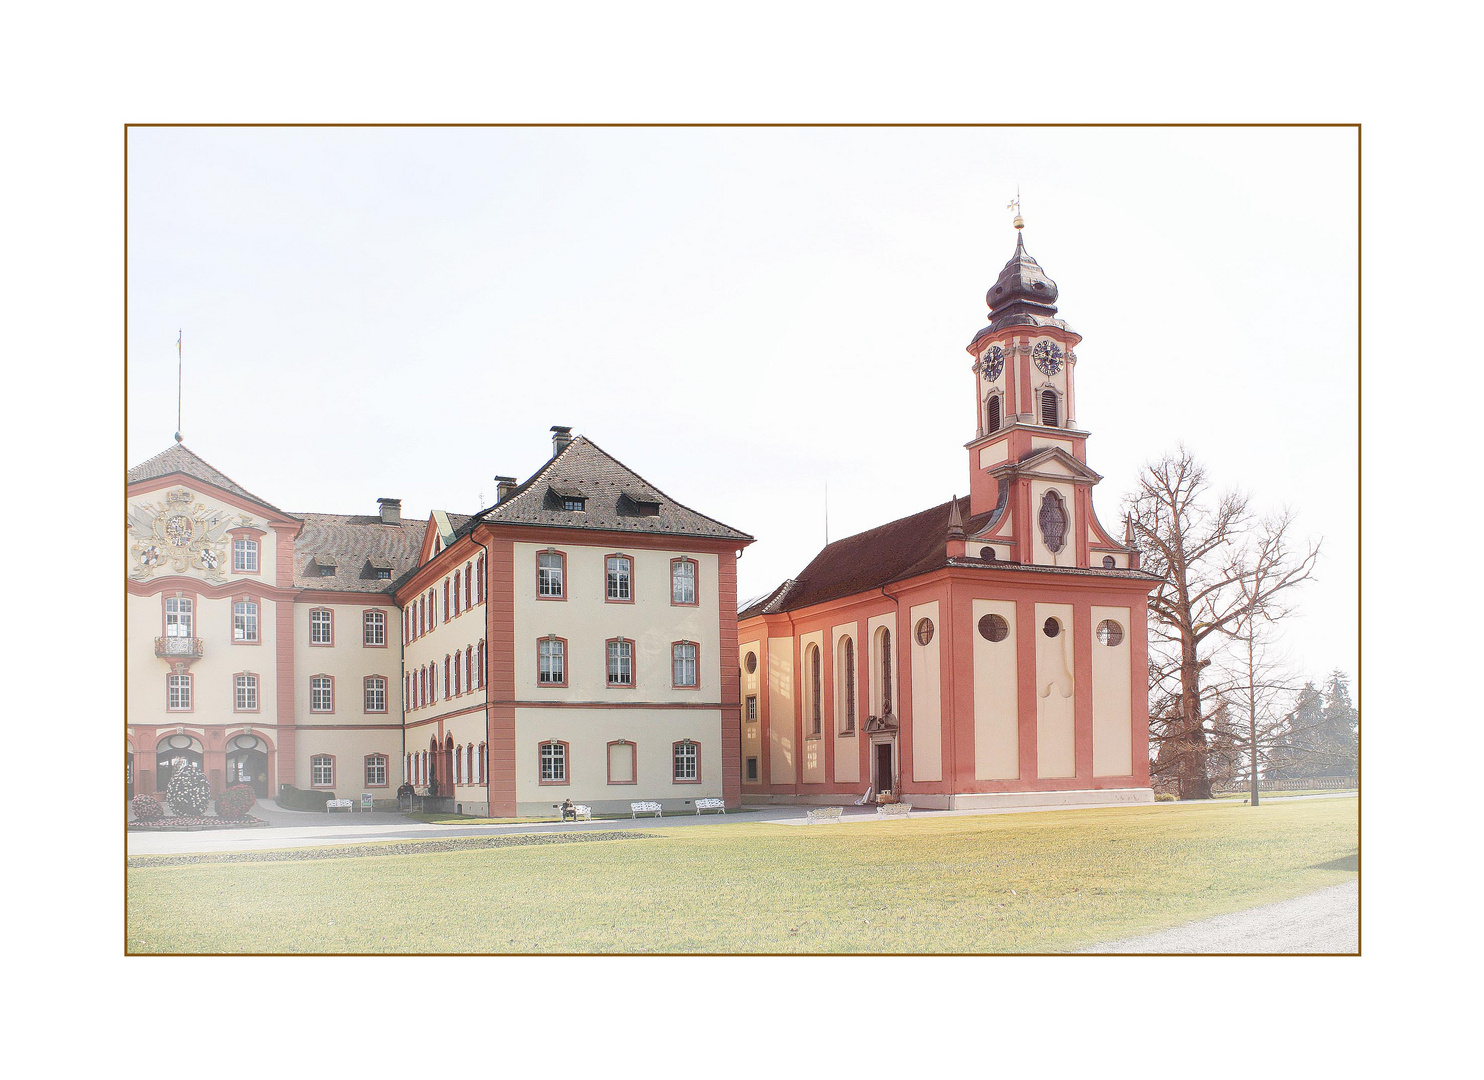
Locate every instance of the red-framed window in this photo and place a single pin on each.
(551, 661)
(551, 575)
(685, 665)
(244, 621)
(618, 578)
(458, 672)
(468, 580)
(322, 771)
(623, 763)
(180, 692)
(321, 626)
(447, 674)
(685, 582)
(373, 628)
(685, 758)
(375, 694)
(479, 673)
(245, 692)
(376, 770)
(244, 555)
(619, 663)
(322, 693)
(554, 765)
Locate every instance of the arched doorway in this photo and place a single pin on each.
(175, 752)
(247, 763)
(128, 773)
(434, 772)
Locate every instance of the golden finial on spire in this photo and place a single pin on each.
(1015, 205)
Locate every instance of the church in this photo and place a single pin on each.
(987, 651)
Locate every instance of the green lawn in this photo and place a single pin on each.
(1042, 882)
(461, 819)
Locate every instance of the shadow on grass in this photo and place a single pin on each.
(1349, 862)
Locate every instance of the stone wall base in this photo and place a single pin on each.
(996, 800)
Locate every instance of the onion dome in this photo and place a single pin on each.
(1021, 296)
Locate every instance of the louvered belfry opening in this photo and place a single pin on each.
(1048, 408)
(994, 413)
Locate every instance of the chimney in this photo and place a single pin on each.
(560, 437)
(504, 485)
(391, 511)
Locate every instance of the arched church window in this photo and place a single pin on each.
(1049, 408)
(815, 725)
(1053, 520)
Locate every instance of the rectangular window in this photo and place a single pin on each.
(553, 763)
(374, 628)
(246, 696)
(620, 578)
(322, 771)
(752, 706)
(551, 654)
(376, 771)
(620, 663)
(570, 503)
(245, 556)
(244, 621)
(752, 768)
(179, 616)
(549, 570)
(376, 694)
(180, 693)
(468, 592)
(682, 582)
(687, 761)
(321, 694)
(683, 654)
(321, 627)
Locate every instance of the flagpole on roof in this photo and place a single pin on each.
(179, 372)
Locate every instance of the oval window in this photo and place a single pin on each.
(994, 628)
(924, 631)
(1052, 628)
(987, 554)
(1110, 633)
(1110, 563)
(751, 662)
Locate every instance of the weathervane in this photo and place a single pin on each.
(1015, 205)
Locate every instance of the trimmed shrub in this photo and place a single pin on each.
(1165, 796)
(292, 798)
(188, 792)
(235, 802)
(146, 808)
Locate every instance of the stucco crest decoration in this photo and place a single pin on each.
(178, 533)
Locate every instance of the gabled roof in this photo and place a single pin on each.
(358, 545)
(892, 552)
(177, 459)
(614, 495)
(1037, 462)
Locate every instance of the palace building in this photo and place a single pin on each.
(571, 641)
(990, 650)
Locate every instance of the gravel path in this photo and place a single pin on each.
(1327, 921)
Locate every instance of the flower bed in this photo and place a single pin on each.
(197, 823)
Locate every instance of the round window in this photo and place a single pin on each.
(1052, 628)
(1110, 633)
(180, 742)
(1109, 562)
(987, 554)
(924, 631)
(751, 662)
(994, 628)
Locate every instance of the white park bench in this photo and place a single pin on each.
(894, 809)
(638, 808)
(823, 813)
(582, 813)
(340, 804)
(711, 804)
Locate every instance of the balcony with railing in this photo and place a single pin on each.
(178, 648)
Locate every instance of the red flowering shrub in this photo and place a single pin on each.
(235, 802)
(146, 808)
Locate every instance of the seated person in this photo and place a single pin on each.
(569, 810)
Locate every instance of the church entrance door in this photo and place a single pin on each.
(882, 771)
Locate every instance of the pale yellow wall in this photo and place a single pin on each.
(1055, 724)
(847, 747)
(588, 733)
(1040, 442)
(996, 697)
(874, 679)
(348, 661)
(1112, 747)
(927, 696)
(752, 741)
(1001, 551)
(1041, 555)
(780, 660)
(813, 757)
(213, 674)
(587, 621)
(993, 455)
(349, 749)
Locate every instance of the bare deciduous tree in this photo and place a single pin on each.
(1219, 565)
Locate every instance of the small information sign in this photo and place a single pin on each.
(365, 801)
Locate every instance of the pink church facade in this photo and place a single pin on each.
(990, 650)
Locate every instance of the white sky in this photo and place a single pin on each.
(745, 315)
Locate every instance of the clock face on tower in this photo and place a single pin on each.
(992, 363)
(1047, 355)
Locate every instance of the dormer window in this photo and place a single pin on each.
(577, 504)
(569, 497)
(642, 504)
(322, 566)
